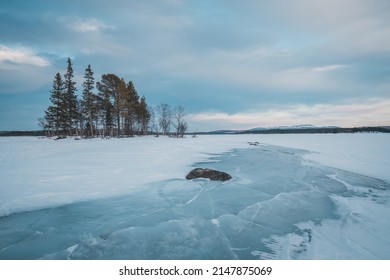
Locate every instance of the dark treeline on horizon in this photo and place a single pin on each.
(115, 110)
(23, 133)
(320, 130)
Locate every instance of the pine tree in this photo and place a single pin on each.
(143, 116)
(80, 121)
(109, 98)
(70, 99)
(123, 94)
(55, 115)
(131, 104)
(89, 100)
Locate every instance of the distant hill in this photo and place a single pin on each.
(217, 132)
(301, 129)
(313, 129)
(294, 127)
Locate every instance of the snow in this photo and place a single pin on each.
(291, 197)
(38, 173)
(363, 153)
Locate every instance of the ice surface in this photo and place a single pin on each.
(128, 199)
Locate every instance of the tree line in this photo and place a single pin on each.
(320, 130)
(115, 110)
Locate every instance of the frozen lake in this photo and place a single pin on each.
(282, 203)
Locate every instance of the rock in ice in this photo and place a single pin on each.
(211, 174)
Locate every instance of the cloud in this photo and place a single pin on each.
(24, 56)
(84, 26)
(22, 70)
(256, 68)
(361, 113)
(328, 68)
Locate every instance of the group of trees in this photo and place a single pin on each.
(115, 110)
(163, 118)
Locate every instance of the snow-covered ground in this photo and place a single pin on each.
(291, 197)
(37, 173)
(364, 153)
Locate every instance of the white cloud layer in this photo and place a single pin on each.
(12, 56)
(83, 26)
(373, 112)
(328, 68)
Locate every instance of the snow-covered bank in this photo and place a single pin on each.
(38, 173)
(363, 153)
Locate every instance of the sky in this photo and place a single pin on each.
(233, 64)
